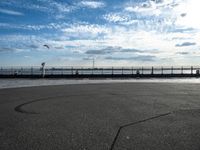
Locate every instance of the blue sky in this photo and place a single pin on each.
(114, 33)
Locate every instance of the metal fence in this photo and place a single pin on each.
(98, 71)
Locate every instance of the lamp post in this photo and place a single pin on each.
(43, 69)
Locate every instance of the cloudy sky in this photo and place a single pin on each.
(114, 33)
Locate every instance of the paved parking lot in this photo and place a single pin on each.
(116, 116)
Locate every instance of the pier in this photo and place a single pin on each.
(99, 72)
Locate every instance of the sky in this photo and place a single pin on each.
(113, 33)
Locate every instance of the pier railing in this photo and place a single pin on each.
(48, 72)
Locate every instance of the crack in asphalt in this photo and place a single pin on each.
(134, 123)
(19, 108)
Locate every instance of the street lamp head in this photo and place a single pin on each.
(43, 64)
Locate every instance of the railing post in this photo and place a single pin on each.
(102, 71)
(122, 70)
(197, 73)
(132, 70)
(11, 71)
(191, 70)
(112, 71)
(162, 70)
(72, 72)
(152, 69)
(172, 70)
(43, 72)
(182, 70)
(142, 70)
(31, 71)
(21, 70)
(52, 71)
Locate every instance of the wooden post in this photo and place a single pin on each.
(152, 70)
(162, 70)
(122, 70)
(102, 71)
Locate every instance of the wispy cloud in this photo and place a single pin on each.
(11, 12)
(127, 31)
(186, 44)
(35, 27)
(183, 53)
(134, 58)
(93, 4)
(6, 49)
(112, 50)
(115, 17)
(86, 30)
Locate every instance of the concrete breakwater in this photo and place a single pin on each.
(111, 72)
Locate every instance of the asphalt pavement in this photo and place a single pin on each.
(111, 116)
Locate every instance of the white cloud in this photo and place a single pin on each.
(114, 17)
(35, 27)
(86, 30)
(191, 10)
(122, 18)
(92, 4)
(11, 12)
